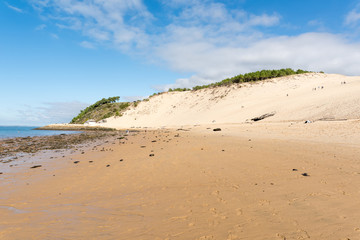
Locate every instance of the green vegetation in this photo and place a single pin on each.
(253, 77)
(247, 77)
(104, 108)
(179, 89)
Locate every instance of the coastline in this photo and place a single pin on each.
(244, 181)
(75, 127)
(13, 148)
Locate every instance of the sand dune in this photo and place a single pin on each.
(311, 96)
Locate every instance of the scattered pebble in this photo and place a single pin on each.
(108, 165)
(151, 155)
(121, 160)
(76, 162)
(294, 169)
(305, 174)
(216, 129)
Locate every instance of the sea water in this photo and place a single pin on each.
(26, 131)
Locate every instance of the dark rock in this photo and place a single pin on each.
(108, 165)
(151, 155)
(143, 146)
(76, 162)
(294, 169)
(263, 116)
(121, 160)
(305, 174)
(90, 161)
(217, 129)
(36, 166)
(153, 141)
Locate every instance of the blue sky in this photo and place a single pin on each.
(58, 56)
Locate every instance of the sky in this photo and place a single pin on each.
(59, 56)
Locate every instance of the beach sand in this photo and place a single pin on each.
(248, 181)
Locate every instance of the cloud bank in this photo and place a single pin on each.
(51, 112)
(204, 38)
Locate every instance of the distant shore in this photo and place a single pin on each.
(74, 127)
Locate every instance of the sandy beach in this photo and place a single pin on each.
(247, 181)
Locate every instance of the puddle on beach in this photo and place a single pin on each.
(13, 209)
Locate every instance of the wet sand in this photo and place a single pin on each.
(244, 182)
(13, 148)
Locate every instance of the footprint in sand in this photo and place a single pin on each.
(264, 202)
(206, 237)
(280, 236)
(232, 236)
(239, 211)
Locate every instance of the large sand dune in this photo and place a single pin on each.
(311, 96)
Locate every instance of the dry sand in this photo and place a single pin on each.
(200, 184)
(274, 179)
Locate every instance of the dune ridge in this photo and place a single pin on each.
(310, 96)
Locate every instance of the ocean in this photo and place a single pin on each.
(26, 131)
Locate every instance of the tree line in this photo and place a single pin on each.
(93, 106)
(253, 76)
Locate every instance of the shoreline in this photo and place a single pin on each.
(13, 148)
(74, 127)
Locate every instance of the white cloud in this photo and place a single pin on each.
(353, 17)
(14, 8)
(40, 27)
(133, 98)
(53, 35)
(117, 21)
(204, 38)
(86, 44)
(263, 20)
(311, 51)
(51, 112)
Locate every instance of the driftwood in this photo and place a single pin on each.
(263, 116)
